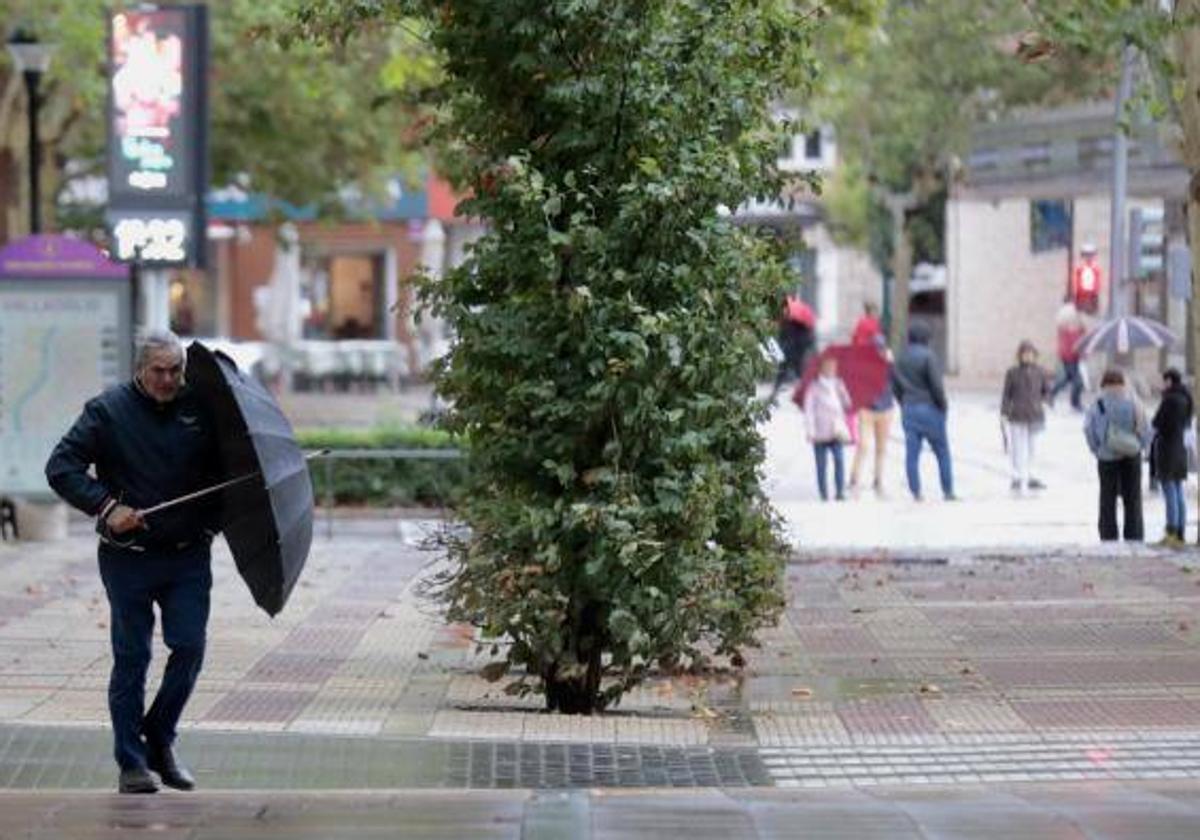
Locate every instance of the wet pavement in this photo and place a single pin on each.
(1064, 812)
(931, 677)
(887, 668)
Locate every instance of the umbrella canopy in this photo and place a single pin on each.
(1121, 335)
(862, 367)
(267, 521)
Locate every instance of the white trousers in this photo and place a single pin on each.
(1020, 452)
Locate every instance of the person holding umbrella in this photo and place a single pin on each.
(148, 439)
(1171, 421)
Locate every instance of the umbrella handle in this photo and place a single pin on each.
(216, 487)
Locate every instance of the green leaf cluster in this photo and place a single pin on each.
(608, 328)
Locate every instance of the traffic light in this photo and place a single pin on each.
(1147, 243)
(1086, 285)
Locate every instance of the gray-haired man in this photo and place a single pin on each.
(149, 440)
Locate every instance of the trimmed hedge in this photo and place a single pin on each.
(386, 482)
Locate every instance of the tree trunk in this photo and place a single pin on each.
(1187, 45)
(579, 694)
(901, 270)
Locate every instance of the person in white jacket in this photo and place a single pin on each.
(825, 405)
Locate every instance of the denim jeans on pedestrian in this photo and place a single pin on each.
(924, 422)
(179, 583)
(1176, 507)
(822, 451)
(1072, 376)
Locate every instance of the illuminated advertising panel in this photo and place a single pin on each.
(157, 131)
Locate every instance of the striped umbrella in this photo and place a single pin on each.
(1121, 335)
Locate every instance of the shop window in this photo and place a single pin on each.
(1049, 225)
(193, 303)
(344, 296)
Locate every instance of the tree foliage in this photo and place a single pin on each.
(609, 328)
(919, 76)
(290, 118)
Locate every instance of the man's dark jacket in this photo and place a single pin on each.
(916, 375)
(144, 453)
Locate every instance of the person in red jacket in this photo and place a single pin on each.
(797, 328)
(1070, 329)
(867, 327)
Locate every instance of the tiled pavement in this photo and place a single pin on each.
(1144, 811)
(956, 668)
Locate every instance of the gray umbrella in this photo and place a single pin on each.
(268, 520)
(1121, 335)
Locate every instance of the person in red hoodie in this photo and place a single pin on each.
(867, 327)
(1070, 329)
(797, 337)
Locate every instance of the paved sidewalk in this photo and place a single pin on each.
(1062, 515)
(911, 669)
(1077, 812)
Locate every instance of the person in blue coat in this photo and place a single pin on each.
(149, 440)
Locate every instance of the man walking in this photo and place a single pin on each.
(149, 441)
(917, 384)
(797, 323)
(1070, 328)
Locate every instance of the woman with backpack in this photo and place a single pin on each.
(1116, 431)
(1171, 421)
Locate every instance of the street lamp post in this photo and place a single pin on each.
(31, 58)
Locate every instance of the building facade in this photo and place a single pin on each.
(1033, 190)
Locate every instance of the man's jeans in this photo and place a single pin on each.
(180, 584)
(924, 422)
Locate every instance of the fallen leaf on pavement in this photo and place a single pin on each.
(931, 690)
(494, 671)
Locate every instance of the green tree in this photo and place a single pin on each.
(918, 74)
(609, 328)
(293, 119)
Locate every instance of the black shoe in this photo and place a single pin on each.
(1035, 484)
(137, 780)
(162, 761)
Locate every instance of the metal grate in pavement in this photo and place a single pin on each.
(49, 758)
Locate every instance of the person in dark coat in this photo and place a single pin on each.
(1170, 422)
(917, 383)
(149, 440)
